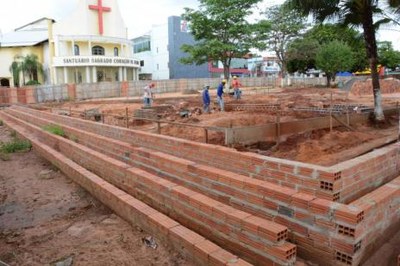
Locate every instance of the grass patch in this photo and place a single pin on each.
(15, 145)
(54, 129)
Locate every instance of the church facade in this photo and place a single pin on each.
(89, 46)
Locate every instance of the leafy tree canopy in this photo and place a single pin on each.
(388, 57)
(221, 31)
(302, 51)
(285, 25)
(333, 57)
(358, 13)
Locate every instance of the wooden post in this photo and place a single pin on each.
(102, 117)
(278, 127)
(397, 106)
(158, 127)
(330, 115)
(127, 117)
(206, 135)
(70, 111)
(84, 114)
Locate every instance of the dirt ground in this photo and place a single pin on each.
(318, 147)
(45, 218)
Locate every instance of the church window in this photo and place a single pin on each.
(76, 49)
(97, 50)
(115, 51)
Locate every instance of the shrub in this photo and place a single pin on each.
(15, 145)
(32, 82)
(55, 129)
(1, 123)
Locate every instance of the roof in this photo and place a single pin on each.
(28, 35)
(24, 38)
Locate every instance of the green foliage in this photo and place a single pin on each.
(359, 14)
(302, 51)
(32, 82)
(221, 32)
(1, 123)
(301, 54)
(26, 65)
(333, 57)
(15, 145)
(285, 25)
(54, 129)
(388, 57)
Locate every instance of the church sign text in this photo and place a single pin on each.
(95, 61)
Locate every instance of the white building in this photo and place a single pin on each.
(90, 45)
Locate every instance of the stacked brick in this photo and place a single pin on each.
(196, 247)
(249, 236)
(388, 86)
(323, 230)
(336, 183)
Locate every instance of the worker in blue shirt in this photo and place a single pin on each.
(220, 92)
(206, 99)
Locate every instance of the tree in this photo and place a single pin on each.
(301, 54)
(285, 25)
(31, 66)
(356, 13)
(388, 57)
(333, 57)
(26, 65)
(15, 69)
(302, 51)
(221, 32)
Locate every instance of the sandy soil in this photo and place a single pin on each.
(318, 147)
(46, 218)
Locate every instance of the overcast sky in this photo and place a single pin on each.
(138, 15)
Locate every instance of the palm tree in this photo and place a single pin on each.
(15, 69)
(353, 13)
(31, 66)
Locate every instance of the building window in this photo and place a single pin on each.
(97, 50)
(142, 63)
(76, 49)
(115, 51)
(142, 46)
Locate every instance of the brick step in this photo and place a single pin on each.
(295, 210)
(261, 237)
(302, 177)
(200, 250)
(337, 230)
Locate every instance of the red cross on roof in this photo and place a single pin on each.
(100, 9)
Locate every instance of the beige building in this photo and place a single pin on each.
(89, 46)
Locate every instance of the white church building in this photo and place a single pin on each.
(90, 45)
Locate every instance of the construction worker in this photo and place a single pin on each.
(148, 95)
(220, 93)
(236, 88)
(206, 99)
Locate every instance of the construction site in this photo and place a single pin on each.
(298, 175)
